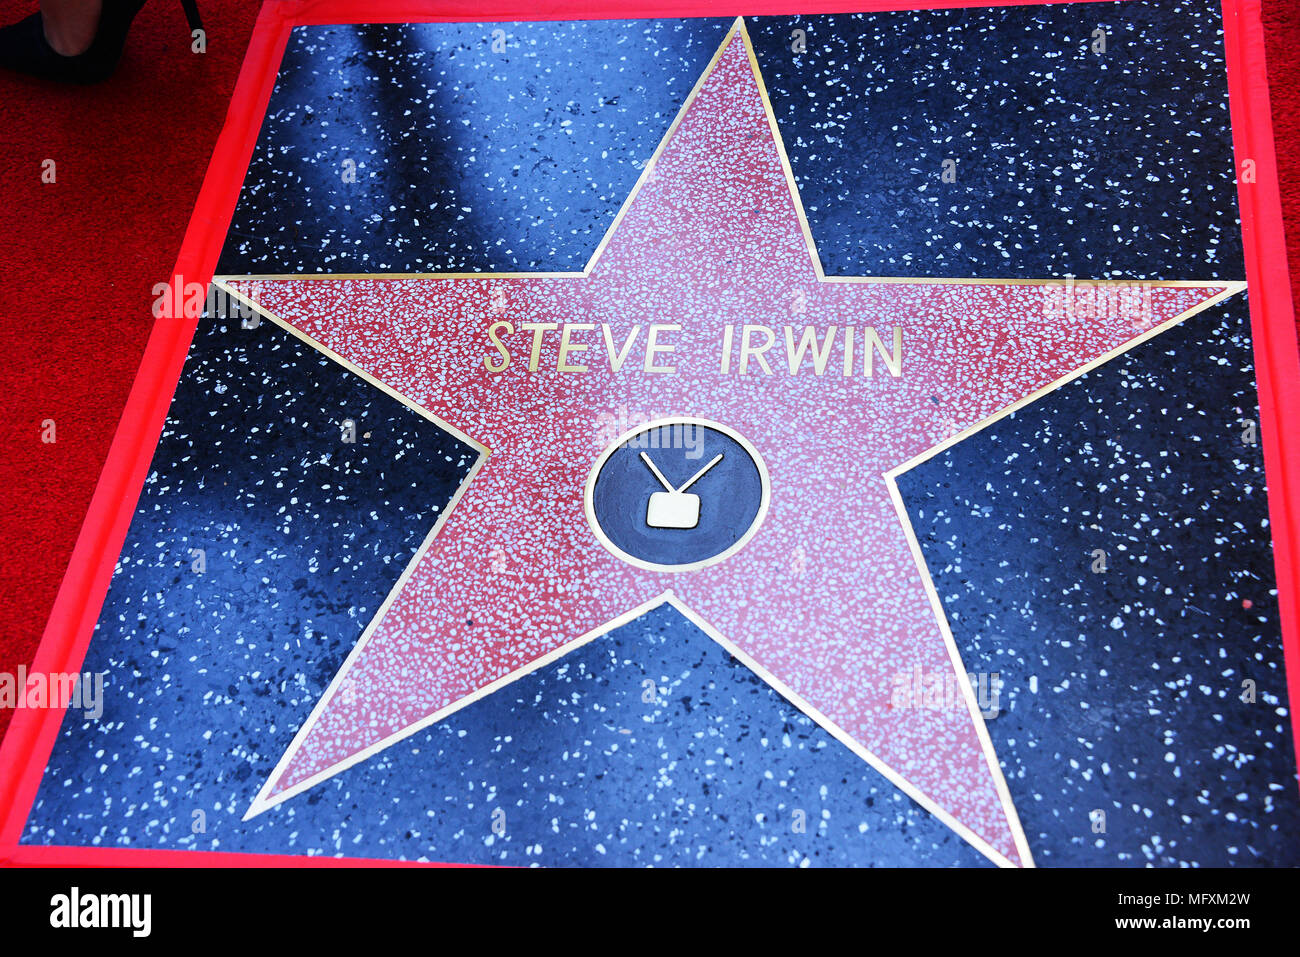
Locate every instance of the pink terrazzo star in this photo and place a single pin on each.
(827, 599)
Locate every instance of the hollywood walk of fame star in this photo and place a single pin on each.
(828, 598)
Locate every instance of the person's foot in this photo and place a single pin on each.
(70, 25)
(72, 41)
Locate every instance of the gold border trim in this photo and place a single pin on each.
(260, 801)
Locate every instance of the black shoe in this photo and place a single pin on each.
(23, 47)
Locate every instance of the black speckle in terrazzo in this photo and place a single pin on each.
(705, 765)
(1123, 689)
(1101, 165)
(209, 674)
(465, 158)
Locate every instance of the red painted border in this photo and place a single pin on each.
(1272, 320)
(32, 733)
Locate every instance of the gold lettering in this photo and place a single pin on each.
(747, 349)
(806, 342)
(616, 359)
(873, 344)
(652, 347)
(500, 365)
(566, 346)
(538, 330)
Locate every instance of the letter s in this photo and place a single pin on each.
(498, 365)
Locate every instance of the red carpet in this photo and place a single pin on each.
(81, 255)
(80, 259)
